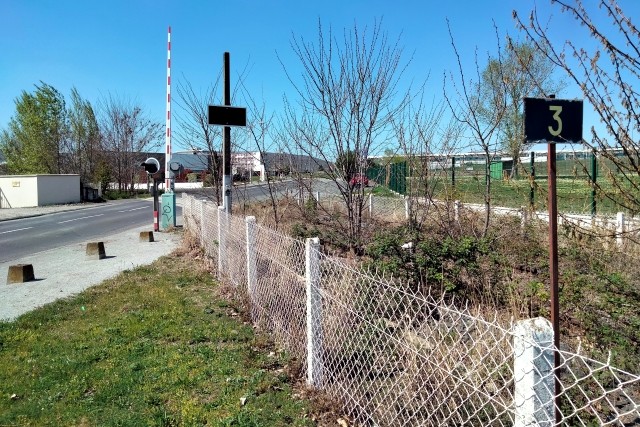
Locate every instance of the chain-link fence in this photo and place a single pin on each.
(397, 357)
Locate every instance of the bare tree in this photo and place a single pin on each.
(194, 131)
(258, 127)
(481, 125)
(127, 133)
(521, 71)
(347, 97)
(609, 77)
(427, 147)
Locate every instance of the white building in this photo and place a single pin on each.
(268, 164)
(23, 191)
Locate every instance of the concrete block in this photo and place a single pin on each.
(20, 273)
(95, 250)
(533, 366)
(146, 236)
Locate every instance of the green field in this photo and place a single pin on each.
(467, 184)
(574, 193)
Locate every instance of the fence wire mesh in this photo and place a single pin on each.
(397, 357)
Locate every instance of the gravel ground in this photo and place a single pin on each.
(66, 271)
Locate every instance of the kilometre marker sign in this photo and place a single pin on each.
(552, 120)
(224, 115)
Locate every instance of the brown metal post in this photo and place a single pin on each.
(553, 268)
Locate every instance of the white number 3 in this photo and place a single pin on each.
(557, 109)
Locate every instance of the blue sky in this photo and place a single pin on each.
(119, 47)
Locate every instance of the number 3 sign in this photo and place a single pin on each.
(552, 120)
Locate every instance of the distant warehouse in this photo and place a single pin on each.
(252, 163)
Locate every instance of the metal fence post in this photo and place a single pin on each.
(221, 214)
(314, 312)
(533, 373)
(251, 255)
(453, 171)
(594, 178)
(620, 229)
(532, 188)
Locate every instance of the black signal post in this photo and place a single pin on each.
(554, 121)
(152, 167)
(227, 116)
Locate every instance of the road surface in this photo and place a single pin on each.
(27, 236)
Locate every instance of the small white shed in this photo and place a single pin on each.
(23, 191)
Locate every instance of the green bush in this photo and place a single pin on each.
(434, 260)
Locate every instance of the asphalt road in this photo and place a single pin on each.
(260, 192)
(27, 236)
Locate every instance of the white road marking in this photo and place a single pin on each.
(78, 219)
(135, 209)
(13, 231)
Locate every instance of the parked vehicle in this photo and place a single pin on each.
(359, 180)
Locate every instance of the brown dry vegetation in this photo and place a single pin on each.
(506, 272)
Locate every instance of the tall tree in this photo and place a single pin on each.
(85, 144)
(522, 70)
(37, 134)
(608, 74)
(347, 97)
(127, 133)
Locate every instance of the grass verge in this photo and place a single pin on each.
(154, 346)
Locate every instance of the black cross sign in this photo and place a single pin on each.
(224, 115)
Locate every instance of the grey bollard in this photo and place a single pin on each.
(146, 236)
(95, 250)
(20, 273)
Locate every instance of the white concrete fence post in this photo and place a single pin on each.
(533, 373)
(524, 217)
(186, 211)
(456, 210)
(201, 222)
(371, 205)
(407, 210)
(221, 216)
(251, 256)
(620, 229)
(314, 312)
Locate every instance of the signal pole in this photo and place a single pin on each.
(226, 139)
(227, 116)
